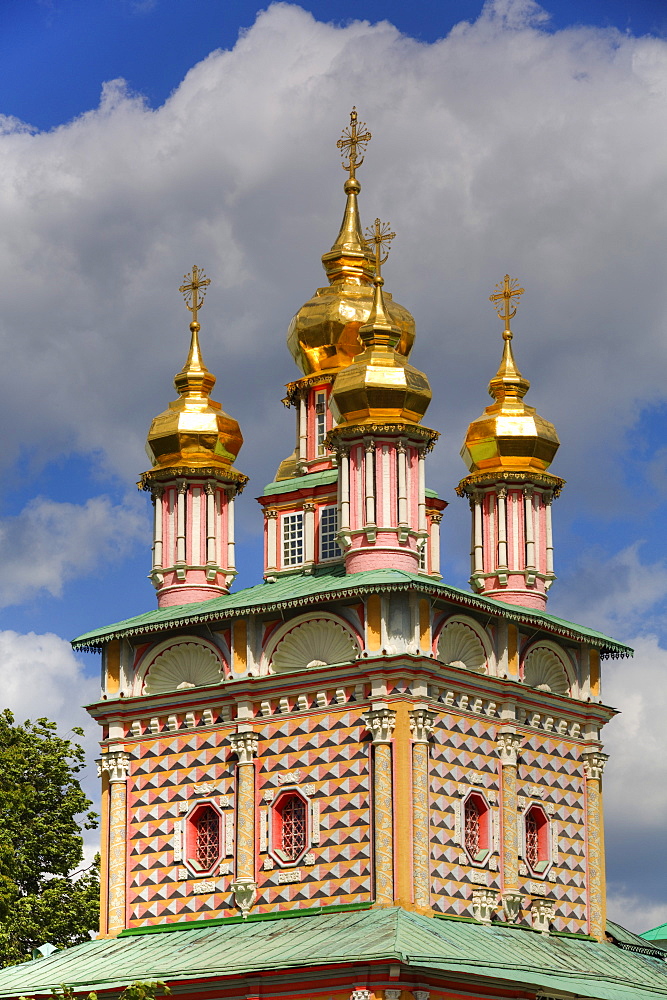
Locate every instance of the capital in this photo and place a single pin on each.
(309, 507)
(421, 723)
(380, 721)
(542, 914)
(436, 518)
(270, 513)
(115, 763)
(484, 902)
(594, 762)
(508, 742)
(244, 744)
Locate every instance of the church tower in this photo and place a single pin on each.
(352, 781)
(508, 451)
(193, 483)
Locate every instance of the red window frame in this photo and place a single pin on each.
(204, 838)
(290, 826)
(476, 827)
(536, 834)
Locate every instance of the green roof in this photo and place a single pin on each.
(461, 950)
(310, 481)
(298, 589)
(656, 933)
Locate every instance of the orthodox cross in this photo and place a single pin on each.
(378, 238)
(194, 290)
(504, 297)
(354, 139)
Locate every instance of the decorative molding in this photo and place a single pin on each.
(204, 887)
(184, 664)
(459, 645)
(380, 722)
(268, 795)
(512, 903)
(421, 994)
(309, 859)
(206, 788)
(116, 764)
(361, 994)
(422, 720)
(544, 670)
(289, 875)
(289, 777)
(317, 642)
(309, 789)
(542, 914)
(594, 764)
(245, 894)
(392, 994)
(244, 744)
(479, 877)
(484, 902)
(538, 888)
(508, 742)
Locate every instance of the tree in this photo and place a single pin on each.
(43, 898)
(136, 991)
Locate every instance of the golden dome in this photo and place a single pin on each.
(380, 387)
(324, 334)
(509, 436)
(194, 431)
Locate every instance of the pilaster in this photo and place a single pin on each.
(594, 763)
(421, 727)
(114, 767)
(380, 721)
(244, 745)
(508, 742)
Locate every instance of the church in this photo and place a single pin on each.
(353, 781)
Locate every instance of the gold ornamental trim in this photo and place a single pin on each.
(480, 479)
(148, 479)
(298, 388)
(348, 432)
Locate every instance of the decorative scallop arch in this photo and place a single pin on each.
(547, 668)
(463, 643)
(310, 641)
(179, 664)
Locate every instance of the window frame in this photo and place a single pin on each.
(321, 512)
(275, 848)
(485, 834)
(543, 833)
(320, 415)
(190, 838)
(284, 541)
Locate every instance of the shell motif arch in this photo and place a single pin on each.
(316, 642)
(544, 670)
(185, 663)
(460, 645)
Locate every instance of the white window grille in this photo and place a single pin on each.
(320, 421)
(329, 548)
(293, 539)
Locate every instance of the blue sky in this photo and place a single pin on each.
(528, 140)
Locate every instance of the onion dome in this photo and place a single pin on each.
(380, 387)
(509, 436)
(324, 334)
(194, 430)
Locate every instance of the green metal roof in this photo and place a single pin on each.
(312, 480)
(656, 933)
(299, 589)
(506, 954)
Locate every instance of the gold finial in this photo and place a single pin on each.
(503, 298)
(195, 283)
(378, 238)
(355, 138)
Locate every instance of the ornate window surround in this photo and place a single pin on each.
(563, 656)
(280, 633)
(149, 657)
(273, 847)
(547, 852)
(189, 833)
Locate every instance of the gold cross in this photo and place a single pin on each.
(355, 135)
(194, 290)
(505, 295)
(378, 238)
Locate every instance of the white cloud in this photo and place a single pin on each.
(51, 542)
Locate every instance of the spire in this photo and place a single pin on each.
(508, 380)
(378, 330)
(194, 430)
(349, 255)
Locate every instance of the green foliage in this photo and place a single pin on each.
(40, 841)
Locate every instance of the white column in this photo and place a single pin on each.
(529, 518)
(309, 533)
(386, 484)
(344, 489)
(180, 521)
(369, 482)
(421, 486)
(502, 527)
(210, 522)
(435, 542)
(477, 537)
(303, 429)
(231, 548)
(197, 556)
(402, 482)
(271, 539)
(549, 539)
(157, 527)
(513, 500)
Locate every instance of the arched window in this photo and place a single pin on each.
(476, 817)
(537, 840)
